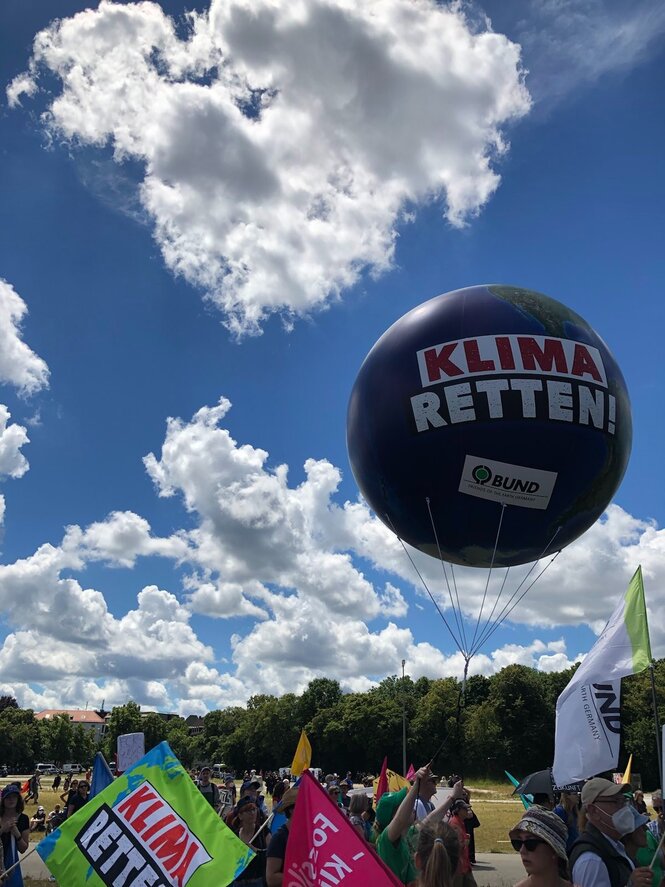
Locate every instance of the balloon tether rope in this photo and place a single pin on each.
(509, 607)
(459, 618)
(489, 575)
(425, 586)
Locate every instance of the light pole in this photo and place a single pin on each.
(403, 722)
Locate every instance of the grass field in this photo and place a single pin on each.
(498, 811)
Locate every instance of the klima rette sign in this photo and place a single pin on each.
(143, 836)
(509, 357)
(489, 426)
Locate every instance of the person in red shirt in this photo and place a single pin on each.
(460, 812)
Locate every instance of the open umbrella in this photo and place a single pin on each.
(538, 783)
(527, 800)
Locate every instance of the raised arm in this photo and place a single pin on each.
(440, 811)
(403, 818)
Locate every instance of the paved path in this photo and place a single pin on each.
(498, 869)
(33, 867)
(492, 870)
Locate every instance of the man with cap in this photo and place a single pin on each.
(277, 846)
(426, 792)
(395, 813)
(252, 788)
(598, 858)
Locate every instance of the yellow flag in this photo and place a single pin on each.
(302, 759)
(395, 782)
(628, 771)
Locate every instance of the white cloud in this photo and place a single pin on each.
(120, 539)
(255, 531)
(12, 437)
(287, 560)
(19, 366)
(12, 461)
(282, 142)
(569, 43)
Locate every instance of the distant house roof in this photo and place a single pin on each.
(194, 721)
(77, 715)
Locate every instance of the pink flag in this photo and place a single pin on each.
(383, 781)
(410, 773)
(324, 848)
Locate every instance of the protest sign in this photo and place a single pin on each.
(225, 797)
(324, 848)
(151, 826)
(131, 748)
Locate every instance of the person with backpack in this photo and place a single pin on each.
(208, 789)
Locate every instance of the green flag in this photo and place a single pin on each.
(151, 826)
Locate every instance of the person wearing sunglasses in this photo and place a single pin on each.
(598, 858)
(245, 823)
(334, 794)
(459, 813)
(540, 839)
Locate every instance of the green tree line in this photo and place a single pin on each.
(505, 721)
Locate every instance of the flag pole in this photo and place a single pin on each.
(5, 872)
(656, 719)
(658, 849)
(265, 825)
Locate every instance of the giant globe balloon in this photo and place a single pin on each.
(489, 417)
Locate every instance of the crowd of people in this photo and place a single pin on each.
(405, 828)
(601, 837)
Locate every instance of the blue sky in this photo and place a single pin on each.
(384, 157)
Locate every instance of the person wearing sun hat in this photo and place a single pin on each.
(540, 838)
(598, 858)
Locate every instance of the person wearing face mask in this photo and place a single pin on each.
(598, 858)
